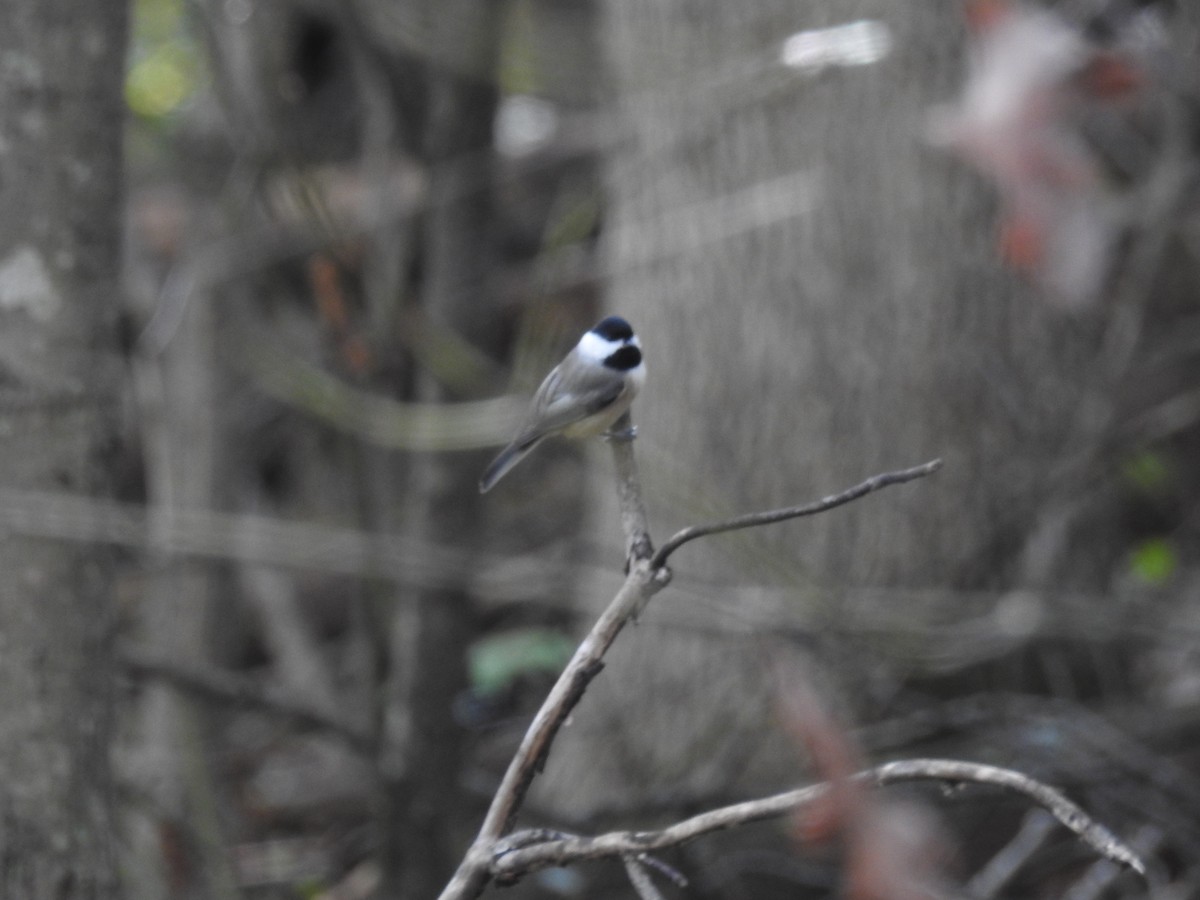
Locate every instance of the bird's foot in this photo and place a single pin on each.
(624, 435)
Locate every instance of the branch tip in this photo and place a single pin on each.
(769, 517)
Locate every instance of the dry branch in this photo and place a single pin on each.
(640, 879)
(992, 878)
(647, 575)
(629, 496)
(770, 517)
(499, 854)
(245, 537)
(640, 585)
(513, 864)
(223, 687)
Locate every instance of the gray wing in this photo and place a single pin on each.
(592, 389)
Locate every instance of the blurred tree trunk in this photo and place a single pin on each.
(432, 629)
(61, 116)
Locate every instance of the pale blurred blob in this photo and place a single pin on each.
(1033, 81)
(852, 44)
(523, 124)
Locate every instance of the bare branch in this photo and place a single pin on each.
(653, 862)
(640, 878)
(991, 879)
(751, 520)
(629, 495)
(506, 859)
(647, 575)
(1090, 832)
(223, 687)
(210, 534)
(512, 865)
(641, 583)
(1101, 874)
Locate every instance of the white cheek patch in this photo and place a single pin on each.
(595, 348)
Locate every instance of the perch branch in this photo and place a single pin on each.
(641, 583)
(647, 575)
(629, 496)
(750, 520)
(516, 863)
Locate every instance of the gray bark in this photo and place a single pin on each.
(60, 188)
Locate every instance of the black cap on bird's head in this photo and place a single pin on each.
(614, 328)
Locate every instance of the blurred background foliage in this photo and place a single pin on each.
(853, 239)
(165, 66)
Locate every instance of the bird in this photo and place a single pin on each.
(583, 395)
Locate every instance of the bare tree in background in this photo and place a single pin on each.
(431, 633)
(61, 114)
(363, 165)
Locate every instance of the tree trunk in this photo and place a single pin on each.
(432, 629)
(60, 178)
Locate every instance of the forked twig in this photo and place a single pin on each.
(647, 574)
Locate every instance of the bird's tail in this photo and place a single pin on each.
(508, 457)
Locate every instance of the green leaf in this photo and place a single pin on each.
(518, 51)
(159, 82)
(496, 661)
(1148, 471)
(1154, 561)
(164, 61)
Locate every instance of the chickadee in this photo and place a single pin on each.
(583, 395)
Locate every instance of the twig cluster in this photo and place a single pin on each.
(500, 854)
